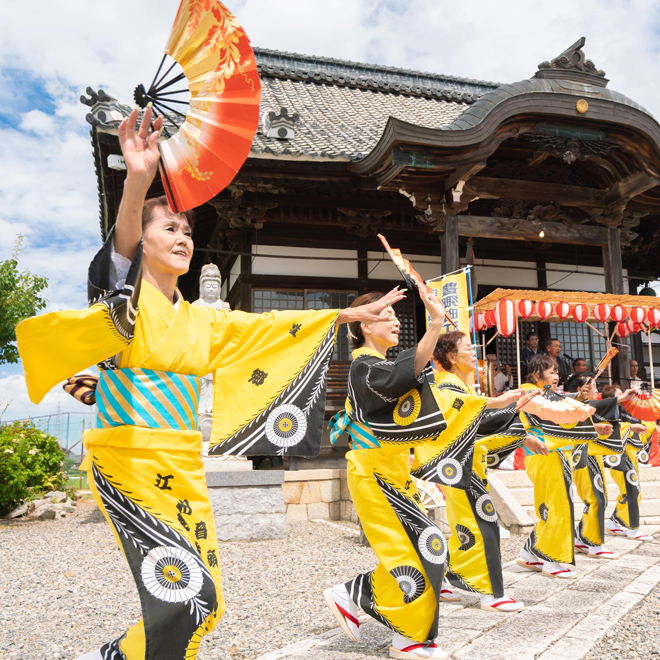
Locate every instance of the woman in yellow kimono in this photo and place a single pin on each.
(550, 546)
(144, 457)
(624, 469)
(457, 461)
(391, 408)
(589, 473)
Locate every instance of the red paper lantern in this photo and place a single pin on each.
(563, 310)
(638, 314)
(580, 312)
(602, 312)
(632, 326)
(653, 316)
(618, 313)
(622, 330)
(489, 318)
(505, 317)
(480, 322)
(543, 310)
(525, 308)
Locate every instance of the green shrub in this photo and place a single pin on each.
(30, 462)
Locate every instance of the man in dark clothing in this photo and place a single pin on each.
(530, 350)
(553, 349)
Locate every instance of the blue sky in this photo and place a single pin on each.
(53, 51)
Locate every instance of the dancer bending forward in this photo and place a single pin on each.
(550, 547)
(144, 458)
(390, 409)
(457, 461)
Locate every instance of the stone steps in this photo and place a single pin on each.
(519, 485)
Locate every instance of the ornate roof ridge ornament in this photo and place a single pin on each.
(573, 65)
(281, 126)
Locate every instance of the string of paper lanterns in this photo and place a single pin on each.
(507, 312)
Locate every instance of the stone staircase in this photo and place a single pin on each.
(521, 488)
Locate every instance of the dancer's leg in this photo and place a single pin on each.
(551, 540)
(157, 505)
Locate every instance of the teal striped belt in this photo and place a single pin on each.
(148, 398)
(361, 433)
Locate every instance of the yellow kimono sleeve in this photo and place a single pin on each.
(58, 345)
(270, 381)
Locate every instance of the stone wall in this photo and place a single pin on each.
(248, 505)
(313, 494)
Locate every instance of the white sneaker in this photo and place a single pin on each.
(448, 595)
(554, 570)
(344, 609)
(504, 604)
(529, 561)
(402, 647)
(638, 536)
(94, 655)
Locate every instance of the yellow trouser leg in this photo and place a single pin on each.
(626, 512)
(399, 592)
(552, 537)
(475, 560)
(592, 490)
(167, 533)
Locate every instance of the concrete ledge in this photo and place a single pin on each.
(245, 478)
(314, 475)
(250, 527)
(511, 513)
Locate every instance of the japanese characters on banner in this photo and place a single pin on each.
(452, 290)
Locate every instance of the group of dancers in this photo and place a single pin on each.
(403, 407)
(405, 418)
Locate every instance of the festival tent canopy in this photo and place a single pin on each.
(572, 298)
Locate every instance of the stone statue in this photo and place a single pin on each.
(210, 283)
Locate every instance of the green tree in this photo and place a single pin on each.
(19, 299)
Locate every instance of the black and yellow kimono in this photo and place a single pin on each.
(389, 410)
(457, 461)
(553, 536)
(144, 458)
(624, 469)
(589, 475)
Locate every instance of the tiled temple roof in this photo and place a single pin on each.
(343, 106)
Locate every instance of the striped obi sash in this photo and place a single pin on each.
(361, 433)
(148, 398)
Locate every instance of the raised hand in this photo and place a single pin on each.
(140, 148)
(380, 310)
(433, 306)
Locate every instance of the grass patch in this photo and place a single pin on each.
(74, 481)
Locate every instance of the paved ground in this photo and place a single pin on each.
(65, 589)
(610, 611)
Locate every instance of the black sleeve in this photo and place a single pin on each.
(377, 384)
(122, 303)
(391, 379)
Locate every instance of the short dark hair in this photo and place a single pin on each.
(538, 365)
(578, 360)
(356, 336)
(447, 343)
(609, 391)
(150, 205)
(530, 334)
(547, 343)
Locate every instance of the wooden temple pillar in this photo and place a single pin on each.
(449, 248)
(613, 268)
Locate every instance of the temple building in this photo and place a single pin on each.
(548, 183)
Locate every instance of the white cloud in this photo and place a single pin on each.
(14, 393)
